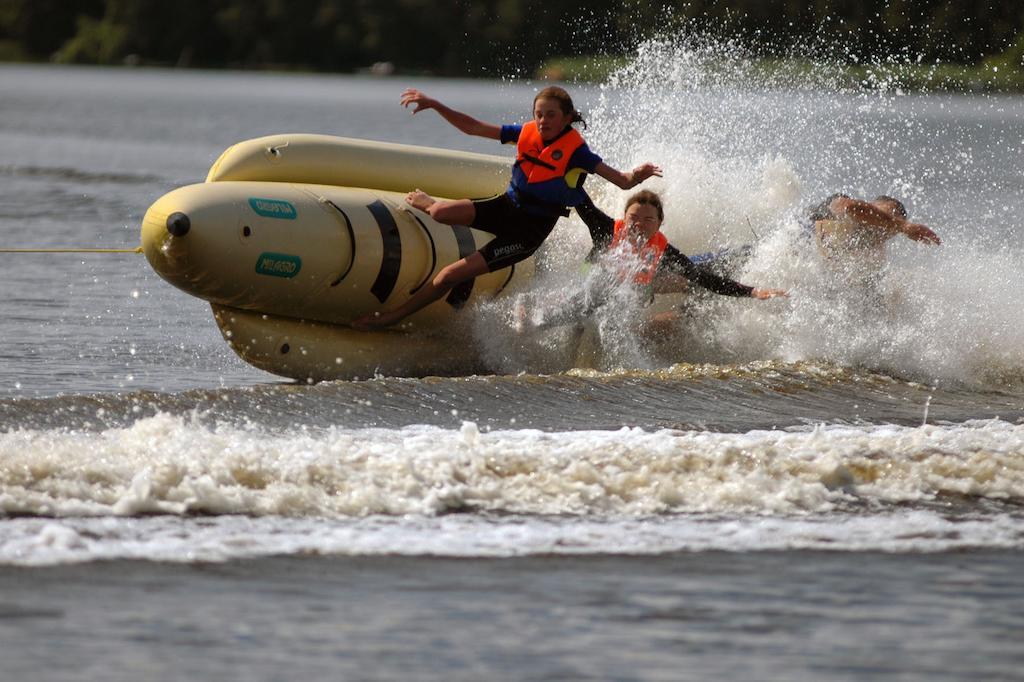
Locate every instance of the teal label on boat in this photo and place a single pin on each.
(273, 208)
(278, 264)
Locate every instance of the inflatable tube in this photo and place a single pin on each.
(313, 351)
(285, 255)
(315, 252)
(326, 160)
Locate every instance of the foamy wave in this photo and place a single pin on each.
(171, 465)
(38, 542)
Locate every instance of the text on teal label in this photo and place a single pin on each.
(278, 264)
(273, 208)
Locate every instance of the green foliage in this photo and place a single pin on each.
(595, 68)
(41, 26)
(502, 37)
(1003, 72)
(11, 51)
(96, 42)
(1012, 59)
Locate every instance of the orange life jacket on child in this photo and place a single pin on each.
(649, 254)
(545, 167)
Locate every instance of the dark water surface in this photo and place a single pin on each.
(717, 398)
(763, 616)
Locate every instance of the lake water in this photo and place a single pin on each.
(812, 488)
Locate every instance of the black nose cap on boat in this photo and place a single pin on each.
(178, 224)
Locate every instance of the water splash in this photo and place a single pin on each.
(747, 145)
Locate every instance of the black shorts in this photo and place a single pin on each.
(517, 233)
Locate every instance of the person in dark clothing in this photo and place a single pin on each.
(641, 254)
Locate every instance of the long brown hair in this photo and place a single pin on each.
(564, 102)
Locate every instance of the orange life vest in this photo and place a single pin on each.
(649, 254)
(540, 162)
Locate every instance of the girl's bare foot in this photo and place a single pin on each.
(420, 199)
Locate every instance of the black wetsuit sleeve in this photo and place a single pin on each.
(676, 261)
(601, 226)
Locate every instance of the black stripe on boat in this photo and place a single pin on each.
(351, 239)
(391, 262)
(460, 292)
(433, 254)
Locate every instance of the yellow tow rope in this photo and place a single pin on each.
(137, 249)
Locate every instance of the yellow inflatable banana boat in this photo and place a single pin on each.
(293, 236)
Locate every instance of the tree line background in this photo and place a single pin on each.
(487, 37)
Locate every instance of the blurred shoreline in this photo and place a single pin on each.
(996, 74)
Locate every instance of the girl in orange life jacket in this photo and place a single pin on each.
(551, 162)
(662, 268)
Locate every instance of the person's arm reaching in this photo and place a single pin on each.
(675, 261)
(865, 213)
(600, 224)
(463, 122)
(920, 233)
(627, 180)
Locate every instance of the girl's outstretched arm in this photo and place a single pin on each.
(463, 122)
(627, 180)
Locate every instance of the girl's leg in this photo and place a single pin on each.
(458, 212)
(469, 267)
